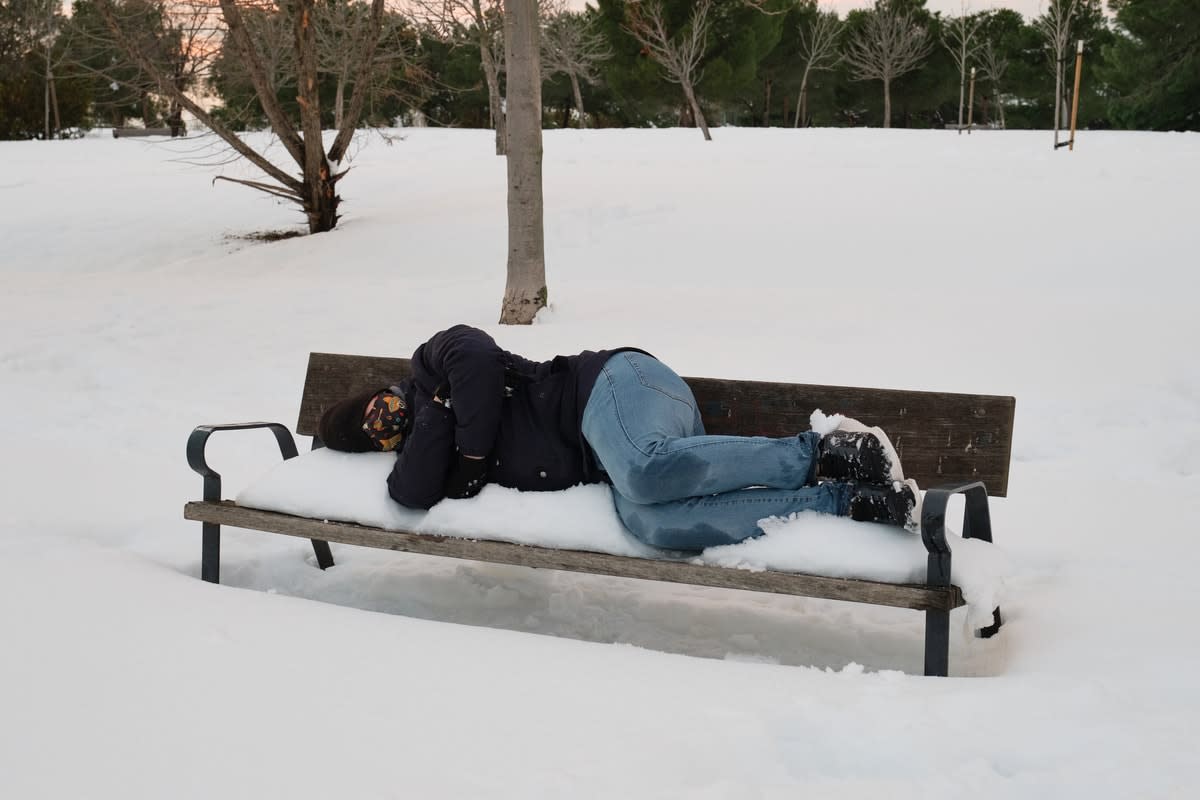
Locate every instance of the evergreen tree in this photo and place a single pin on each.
(1154, 65)
(30, 41)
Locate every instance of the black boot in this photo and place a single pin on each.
(856, 456)
(887, 504)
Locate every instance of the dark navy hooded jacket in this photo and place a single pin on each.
(524, 417)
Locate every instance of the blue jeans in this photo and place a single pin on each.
(677, 488)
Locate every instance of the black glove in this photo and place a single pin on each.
(466, 478)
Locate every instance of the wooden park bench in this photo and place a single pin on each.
(957, 443)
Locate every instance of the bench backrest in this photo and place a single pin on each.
(941, 437)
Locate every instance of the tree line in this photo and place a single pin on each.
(622, 63)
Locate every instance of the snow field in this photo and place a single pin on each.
(129, 312)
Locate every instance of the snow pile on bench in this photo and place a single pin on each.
(352, 487)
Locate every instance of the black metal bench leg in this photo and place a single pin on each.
(210, 553)
(937, 643)
(324, 556)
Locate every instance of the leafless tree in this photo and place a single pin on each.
(315, 188)
(273, 34)
(525, 290)
(679, 53)
(43, 29)
(961, 38)
(572, 47)
(994, 66)
(1055, 26)
(339, 26)
(180, 39)
(818, 49)
(890, 44)
(486, 18)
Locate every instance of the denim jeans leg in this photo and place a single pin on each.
(695, 523)
(643, 424)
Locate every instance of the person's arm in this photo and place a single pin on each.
(472, 367)
(418, 480)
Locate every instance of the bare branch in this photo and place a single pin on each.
(262, 187)
(890, 44)
(818, 51)
(361, 84)
(960, 39)
(678, 54)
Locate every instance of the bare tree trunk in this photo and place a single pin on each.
(1000, 109)
(46, 132)
(525, 291)
(962, 93)
(320, 202)
(697, 114)
(578, 100)
(887, 103)
(49, 79)
(1057, 99)
(491, 74)
(767, 106)
(54, 106)
(339, 99)
(802, 102)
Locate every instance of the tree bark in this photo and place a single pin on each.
(339, 99)
(1058, 80)
(525, 291)
(57, 129)
(962, 94)
(802, 102)
(887, 103)
(578, 100)
(697, 114)
(767, 106)
(320, 200)
(491, 73)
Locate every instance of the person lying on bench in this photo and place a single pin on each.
(473, 414)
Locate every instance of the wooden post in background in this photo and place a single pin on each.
(971, 103)
(1075, 95)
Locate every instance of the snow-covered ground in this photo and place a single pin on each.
(132, 307)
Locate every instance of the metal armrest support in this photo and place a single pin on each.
(199, 440)
(210, 548)
(977, 524)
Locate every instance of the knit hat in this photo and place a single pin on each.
(340, 427)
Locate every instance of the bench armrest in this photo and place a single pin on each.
(198, 440)
(977, 524)
(977, 519)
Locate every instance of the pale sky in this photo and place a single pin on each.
(1028, 8)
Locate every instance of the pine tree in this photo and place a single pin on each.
(1154, 65)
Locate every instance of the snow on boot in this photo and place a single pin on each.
(891, 504)
(856, 456)
(829, 424)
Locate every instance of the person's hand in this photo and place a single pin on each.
(466, 478)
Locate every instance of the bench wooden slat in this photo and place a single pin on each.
(973, 438)
(920, 597)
